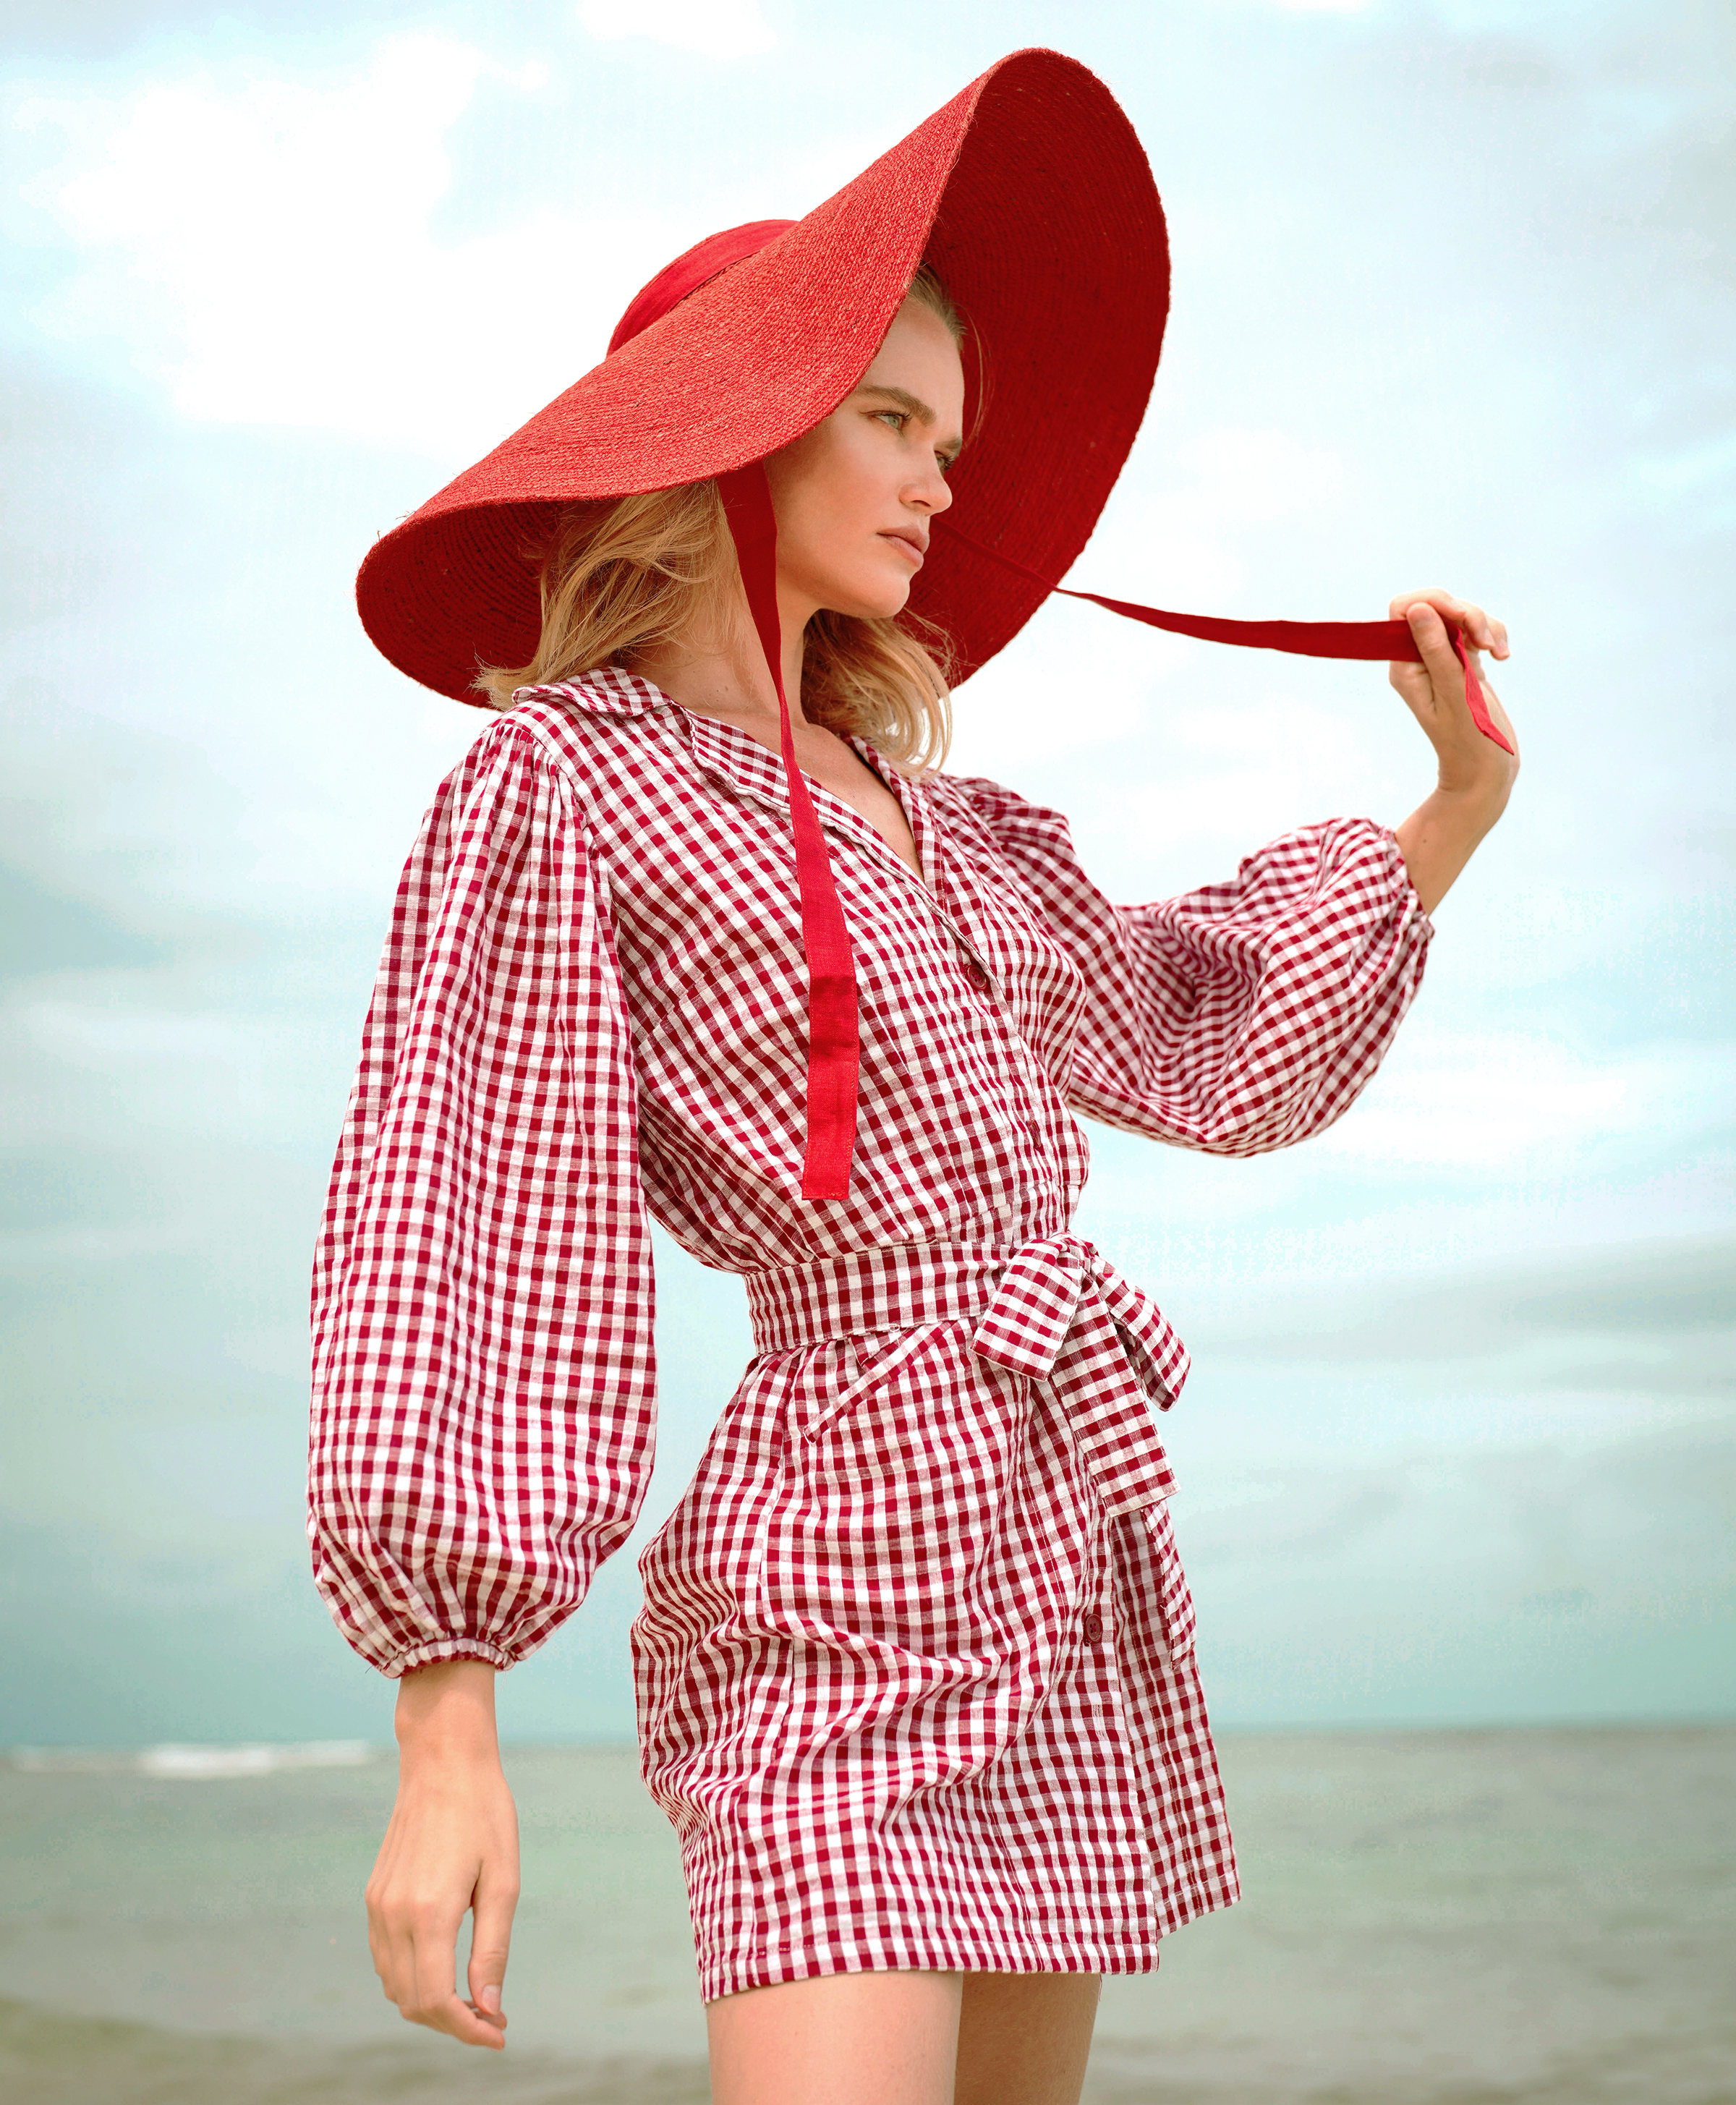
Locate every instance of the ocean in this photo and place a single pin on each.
(1432, 1917)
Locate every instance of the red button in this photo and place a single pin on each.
(977, 977)
(1093, 1627)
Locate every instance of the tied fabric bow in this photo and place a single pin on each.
(1062, 1312)
(834, 1040)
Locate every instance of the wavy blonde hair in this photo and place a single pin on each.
(632, 574)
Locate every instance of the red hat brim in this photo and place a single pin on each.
(1030, 196)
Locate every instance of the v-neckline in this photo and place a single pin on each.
(768, 766)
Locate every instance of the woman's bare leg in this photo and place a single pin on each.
(844, 2039)
(898, 2039)
(1023, 2039)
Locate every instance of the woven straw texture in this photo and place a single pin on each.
(1029, 192)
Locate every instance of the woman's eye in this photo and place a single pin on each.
(897, 418)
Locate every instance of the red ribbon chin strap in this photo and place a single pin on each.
(834, 1043)
(1388, 640)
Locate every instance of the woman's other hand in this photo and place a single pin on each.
(1475, 776)
(452, 1845)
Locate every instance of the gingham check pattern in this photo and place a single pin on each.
(915, 1667)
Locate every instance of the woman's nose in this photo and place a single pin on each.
(930, 491)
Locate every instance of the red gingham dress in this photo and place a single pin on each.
(915, 1667)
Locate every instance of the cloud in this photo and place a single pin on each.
(1257, 477)
(1488, 1102)
(43, 930)
(1181, 545)
(1654, 1317)
(1191, 532)
(260, 244)
(719, 29)
(1547, 1580)
(1539, 1528)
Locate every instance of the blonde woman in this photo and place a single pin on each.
(699, 930)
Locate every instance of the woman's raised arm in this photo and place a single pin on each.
(1475, 776)
(1240, 1018)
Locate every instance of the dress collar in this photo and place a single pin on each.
(751, 769)
(604, 690)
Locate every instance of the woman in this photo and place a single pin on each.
(694, 929)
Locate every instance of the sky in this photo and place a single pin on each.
(1454, 303)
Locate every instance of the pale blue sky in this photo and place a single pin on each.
(1455, 301)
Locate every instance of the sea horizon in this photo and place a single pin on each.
(1471, 1915)
(160, 1756)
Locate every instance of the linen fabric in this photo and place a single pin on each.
(915, 1668)
(1030, 194)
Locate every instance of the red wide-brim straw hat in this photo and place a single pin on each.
(1030, 198)
(1029, 195)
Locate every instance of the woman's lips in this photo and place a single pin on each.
(909, 543)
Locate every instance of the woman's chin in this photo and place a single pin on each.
(880, 602)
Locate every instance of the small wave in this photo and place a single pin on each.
(192, 1762)
(196, 1764)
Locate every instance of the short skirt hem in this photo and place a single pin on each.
(925, 1953)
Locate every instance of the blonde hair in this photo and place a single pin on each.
(630, 574)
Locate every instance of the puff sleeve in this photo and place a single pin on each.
(484, 1379)
(1240, 1018)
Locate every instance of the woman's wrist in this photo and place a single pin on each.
(1485, 775)
(1442, 834)
(1471, 808)
(445, 1711)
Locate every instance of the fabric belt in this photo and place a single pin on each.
(1056, 1310)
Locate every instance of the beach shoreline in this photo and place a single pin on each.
(1541, 1916)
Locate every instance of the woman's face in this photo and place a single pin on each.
(854, 497)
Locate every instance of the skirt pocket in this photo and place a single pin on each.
(863, 1365)
(1175, 1597)
(885, 1529)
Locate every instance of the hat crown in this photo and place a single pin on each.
(692, 268)
(1029, 194)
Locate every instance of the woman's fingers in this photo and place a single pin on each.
(413, 1940)
(1433, 688)
(1439, 660)
(1484, 631)
(491, 1938)
(1433, 691)
(381, 1948)
(434, 2000)
(416, 1957)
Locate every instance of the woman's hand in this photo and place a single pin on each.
(452, 1844)
(1475, 776)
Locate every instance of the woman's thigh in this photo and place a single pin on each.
(905, 2039)
(841, 2039)
(1023, 2039)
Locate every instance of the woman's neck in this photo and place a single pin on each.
(730, 678)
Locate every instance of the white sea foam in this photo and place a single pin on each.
(191, 1762)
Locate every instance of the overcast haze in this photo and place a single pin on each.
(1455, 302)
